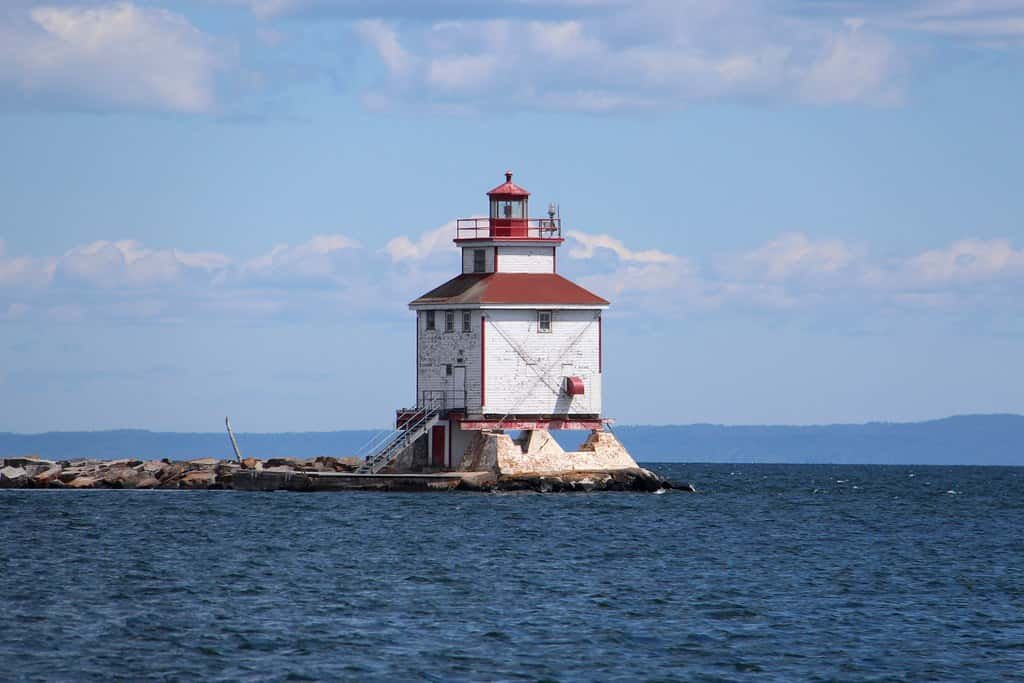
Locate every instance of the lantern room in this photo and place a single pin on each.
(509, 209)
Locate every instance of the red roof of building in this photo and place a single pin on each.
(508, 188)
(542, 289)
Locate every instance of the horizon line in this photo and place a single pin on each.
(622, 426)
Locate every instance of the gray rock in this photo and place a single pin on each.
(292, 463)
(48, 477)
(32, 464)
(10, 473)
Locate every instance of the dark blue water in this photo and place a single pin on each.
(772, 573)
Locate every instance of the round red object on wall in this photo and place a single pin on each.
(574, 386)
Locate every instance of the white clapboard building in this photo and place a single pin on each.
(507, 344)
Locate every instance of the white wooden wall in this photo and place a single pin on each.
(525, 368)
(526, 259)
(438, 348)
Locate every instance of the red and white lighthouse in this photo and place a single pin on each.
(507, 344)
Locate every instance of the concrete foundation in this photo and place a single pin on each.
(537, 453)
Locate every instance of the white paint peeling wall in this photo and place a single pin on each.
(526, 259)
(438, 348)
(526, 368)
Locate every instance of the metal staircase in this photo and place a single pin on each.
(385, 449)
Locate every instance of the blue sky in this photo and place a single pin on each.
(803, 212)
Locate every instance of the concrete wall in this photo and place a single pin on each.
(526, 368)
(526, 259)
(537, 452)
(460, 441)
(415, 458)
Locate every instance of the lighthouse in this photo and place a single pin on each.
(507, 345)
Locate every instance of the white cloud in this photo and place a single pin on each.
(129, 263)
(384, 40)
(331, 276)
(462, 72)
(432, 242)
(204, 260)
(562, 40)
(644, 279)
(586, 245)
(117, 55)
(315, 259)
(796, 271)
(981, 20)
(858, 66)
(111, 264)
(465, 55)
(789, 256)
(967, 261)
(23, 271)
(636, 55)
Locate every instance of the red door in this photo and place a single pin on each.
(437, 446)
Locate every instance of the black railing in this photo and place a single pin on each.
(442, 400)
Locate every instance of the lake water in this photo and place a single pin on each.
(772, 572)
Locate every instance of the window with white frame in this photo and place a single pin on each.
(479, 261)
(467, 321)
(543, 321)
(449, 321)
(430, 321)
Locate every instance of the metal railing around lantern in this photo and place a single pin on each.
(524, 228)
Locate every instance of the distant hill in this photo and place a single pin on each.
(137, 443)
(960, 440)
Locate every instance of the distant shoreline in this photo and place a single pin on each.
(958, 440)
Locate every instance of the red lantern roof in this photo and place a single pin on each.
(508, 188)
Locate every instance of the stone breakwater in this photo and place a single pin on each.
(313, 474)
(203, 473)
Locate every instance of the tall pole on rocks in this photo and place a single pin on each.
(234, 444)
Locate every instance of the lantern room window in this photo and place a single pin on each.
(508, 209)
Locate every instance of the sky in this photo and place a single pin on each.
(802, 212)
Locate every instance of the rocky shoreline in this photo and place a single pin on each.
(30, 472)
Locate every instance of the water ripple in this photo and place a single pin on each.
(773, 573)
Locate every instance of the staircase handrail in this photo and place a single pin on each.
(384, 454)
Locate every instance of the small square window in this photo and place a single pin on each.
(479, 261)
(449, 321)
(430, 321)
(467, 321)
(543, 321)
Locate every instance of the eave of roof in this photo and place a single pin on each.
(542, 289)
(508, 189)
